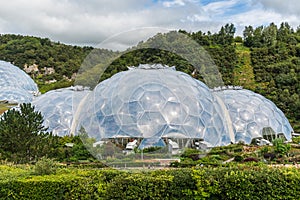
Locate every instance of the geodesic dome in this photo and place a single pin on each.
(15, 84)
(251, 114)
(15, 95)
(153, 101)
(58, 108)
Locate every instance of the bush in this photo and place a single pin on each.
(280, 147)
(247, 182)
(45, 166)
(139, 186)
(238, 158)
(230, 182)
(296, 140)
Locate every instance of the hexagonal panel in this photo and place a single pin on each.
(169, 95)
(239, 125)
(212, 136)
(152, 100)
(262, 119)
(246, 115)
(253, 130)
(192, 106)
(207, 105)
(174, 113)
(207, 118)
(151, 123)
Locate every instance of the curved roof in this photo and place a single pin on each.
(153, 102)
(58, 108)
(15, 82)
(250, 113)
(15, 95)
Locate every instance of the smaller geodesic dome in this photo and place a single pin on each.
(253, 116)
(153, 102)
(58, 108)
(15, 85)
(15, 95)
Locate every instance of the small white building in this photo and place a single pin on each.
(130, 147)
(173, 147)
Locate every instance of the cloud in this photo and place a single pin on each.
(173, 3)
(263, 12)
(84, 22)
(288, 7)
(219, 7)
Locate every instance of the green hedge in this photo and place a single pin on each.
(230, 182)
(63, 186)
(247, 183)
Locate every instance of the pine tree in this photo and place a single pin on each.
(23, 138)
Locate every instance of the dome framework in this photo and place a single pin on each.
(164, 103)
(157, 102)
(15, 85)
(58, 108)
(254, 116)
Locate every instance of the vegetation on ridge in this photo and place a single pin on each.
(266, 60)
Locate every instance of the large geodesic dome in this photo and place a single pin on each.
(58, 108)
(156, 103)
(254, 116)
(153, 102)
(15, 84)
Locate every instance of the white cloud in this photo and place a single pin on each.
(173, 3)
(288, 7)
(90, 22)
(263, 14)
(219, 7)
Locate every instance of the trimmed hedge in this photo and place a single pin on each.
(231, 182)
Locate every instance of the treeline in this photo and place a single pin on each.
(275, 57)
(266, 60)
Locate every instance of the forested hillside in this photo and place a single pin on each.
(266, 60)
(45, 61)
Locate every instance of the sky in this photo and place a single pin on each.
(90, 22)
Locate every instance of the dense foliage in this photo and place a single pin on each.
(23, 138)
(229, 182)
(279, 152)
(266, 60)
(23, 51)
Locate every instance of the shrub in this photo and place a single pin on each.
(238, 158)
(280, 147)
(139, 186)
(246, 182)
(230, 182)
(250, 159)
(45, 166)
(296, 140)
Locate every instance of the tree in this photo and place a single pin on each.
(226, 35)
(248, 36)
(269, 35)
(23, 138)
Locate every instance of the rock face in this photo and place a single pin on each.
(31, 68)
(49, 70)
(34, 70)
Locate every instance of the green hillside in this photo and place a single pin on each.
(243, 73)
(266, 60)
